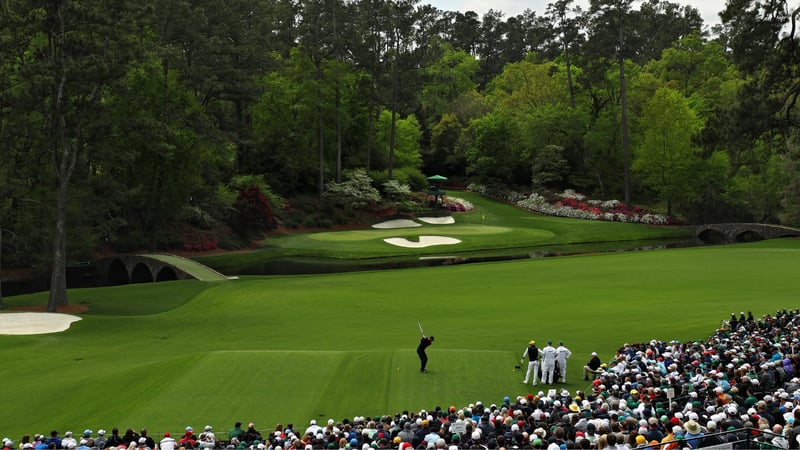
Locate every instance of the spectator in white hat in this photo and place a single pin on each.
(313, 428)
(68, 440)
(207, 438)
(592, 367)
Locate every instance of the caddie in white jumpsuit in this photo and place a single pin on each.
(562, 355)
(548, 363)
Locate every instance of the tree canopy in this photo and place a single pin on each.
(123, 122)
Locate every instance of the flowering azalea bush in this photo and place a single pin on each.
(575, 205)
(458, 204)
(199, 241)
(253, 215)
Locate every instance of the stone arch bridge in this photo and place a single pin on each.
(131, 268)
(719, 233)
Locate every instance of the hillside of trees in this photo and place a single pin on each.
(146, 124)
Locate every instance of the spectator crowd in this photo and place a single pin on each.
(738, 389)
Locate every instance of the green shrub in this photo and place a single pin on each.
(230, 241)
(324, 223)
(309, 222)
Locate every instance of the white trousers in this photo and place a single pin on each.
(533, 366)
(562, 366)
(547, 372)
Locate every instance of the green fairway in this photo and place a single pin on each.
(294, 348)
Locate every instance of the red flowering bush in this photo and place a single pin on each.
(199, 241)
(253, 214)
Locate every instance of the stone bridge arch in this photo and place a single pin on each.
(726, 233)
(130, 269)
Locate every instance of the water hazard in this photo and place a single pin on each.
(310, 266)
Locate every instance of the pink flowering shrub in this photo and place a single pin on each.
(575, 205)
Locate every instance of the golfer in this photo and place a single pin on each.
(533, 362)
(424, 343)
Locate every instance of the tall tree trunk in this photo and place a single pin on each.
(338, 131)
(64, 157)
(369, 131)
(569, 78)
(320, 132)
(2, 306)
(624, 105)
(58, 275)
(393, 132)
(337, 58)
(395, 87)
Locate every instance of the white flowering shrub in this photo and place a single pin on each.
(356, 192)
(396, 190)
(569, 193)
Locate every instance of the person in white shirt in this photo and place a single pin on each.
(548, 363)
(313, 428)
(207, 439)
(68, 439)
(562, 355)
(168, 443)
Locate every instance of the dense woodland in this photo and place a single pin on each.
(126, 123)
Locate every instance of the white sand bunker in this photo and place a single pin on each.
(35, 323)
(447, 220)
(424, 241)
(397, 223)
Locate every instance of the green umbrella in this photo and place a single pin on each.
(437, 178)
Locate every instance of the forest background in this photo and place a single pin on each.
(147, 124)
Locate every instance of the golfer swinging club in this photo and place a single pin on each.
(424, 343)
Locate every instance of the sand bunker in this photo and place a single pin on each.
(447, 220)
(424, 241)
(35, 323)
(397, 223)
(408, 223)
